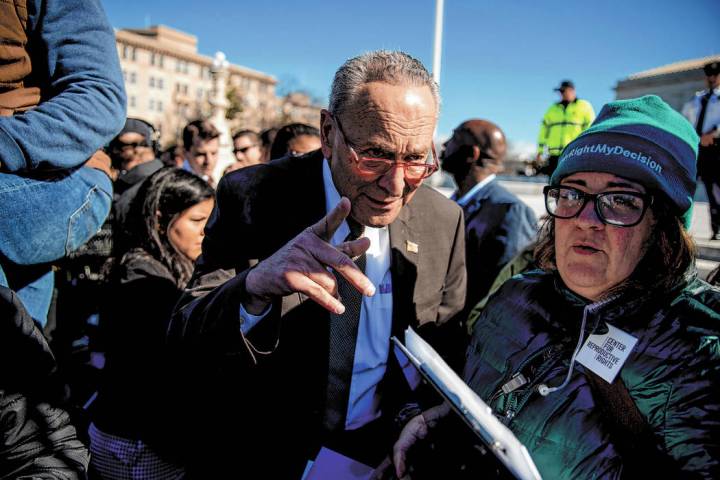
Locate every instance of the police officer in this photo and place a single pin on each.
(703, 112)
(562, 122)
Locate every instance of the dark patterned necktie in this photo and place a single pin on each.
(703, 110)
(342, 340)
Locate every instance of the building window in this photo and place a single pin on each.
(152, 81)
(133, 77)
(161, 62)
(160, 83)
(152, 104)
(152, 58)
(199, 93)
(159, 106)
(125, 52)
(132, 101)
(181, 66)
(133, 54)
(185, 89)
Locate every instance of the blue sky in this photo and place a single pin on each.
(501, 58)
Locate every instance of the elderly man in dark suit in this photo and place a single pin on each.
(498, 225)
(283, 339)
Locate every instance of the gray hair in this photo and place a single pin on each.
(393, 67)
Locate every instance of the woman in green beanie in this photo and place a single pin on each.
(605, 361)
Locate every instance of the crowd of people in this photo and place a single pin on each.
(209, 326)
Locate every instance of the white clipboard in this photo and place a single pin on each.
(476, 413)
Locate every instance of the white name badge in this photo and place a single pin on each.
(605, 354)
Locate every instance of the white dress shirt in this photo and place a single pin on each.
(373, 339)
(691, 111)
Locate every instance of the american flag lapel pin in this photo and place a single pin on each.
(411, 247)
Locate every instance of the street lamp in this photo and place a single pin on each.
(437, 45)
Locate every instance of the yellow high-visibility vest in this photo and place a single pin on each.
(561, 125)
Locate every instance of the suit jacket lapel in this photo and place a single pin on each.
(403, 265)
(308, 197)
(309, 202)
(304, 321)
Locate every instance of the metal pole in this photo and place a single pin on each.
(437, 46)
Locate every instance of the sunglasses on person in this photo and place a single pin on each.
(244, 149)
(117, 145)
(414, 170)
(617, 208)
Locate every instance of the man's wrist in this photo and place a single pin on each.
(253, 303)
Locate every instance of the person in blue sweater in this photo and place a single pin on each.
(498, 225)
(61, 99)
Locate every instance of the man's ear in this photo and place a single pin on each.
(476, 159)
(327, 133)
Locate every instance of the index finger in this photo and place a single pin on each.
(342, 264)
(326, 227)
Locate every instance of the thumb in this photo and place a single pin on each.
(355, 248)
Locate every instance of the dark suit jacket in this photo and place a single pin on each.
(277, 403)
(498, 226)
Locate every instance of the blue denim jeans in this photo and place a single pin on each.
(42, 221)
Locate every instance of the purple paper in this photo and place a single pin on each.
(330, 464)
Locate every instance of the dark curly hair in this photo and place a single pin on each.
(161, 198)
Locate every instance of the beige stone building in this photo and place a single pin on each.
(675, 83)
(298, 107)
(168, 83)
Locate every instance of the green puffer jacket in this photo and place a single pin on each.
(532, 326)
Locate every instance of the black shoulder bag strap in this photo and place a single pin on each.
(630, 432)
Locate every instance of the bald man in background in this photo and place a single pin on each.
(498, 225)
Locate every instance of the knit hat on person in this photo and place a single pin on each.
(641, 139)
(135, 125)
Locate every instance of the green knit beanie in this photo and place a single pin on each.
(641, 139)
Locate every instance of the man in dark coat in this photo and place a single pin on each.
(498, 225)
(277, 346)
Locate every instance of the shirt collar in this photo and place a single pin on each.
(332, 198)
(465, 199)
(379, 240)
